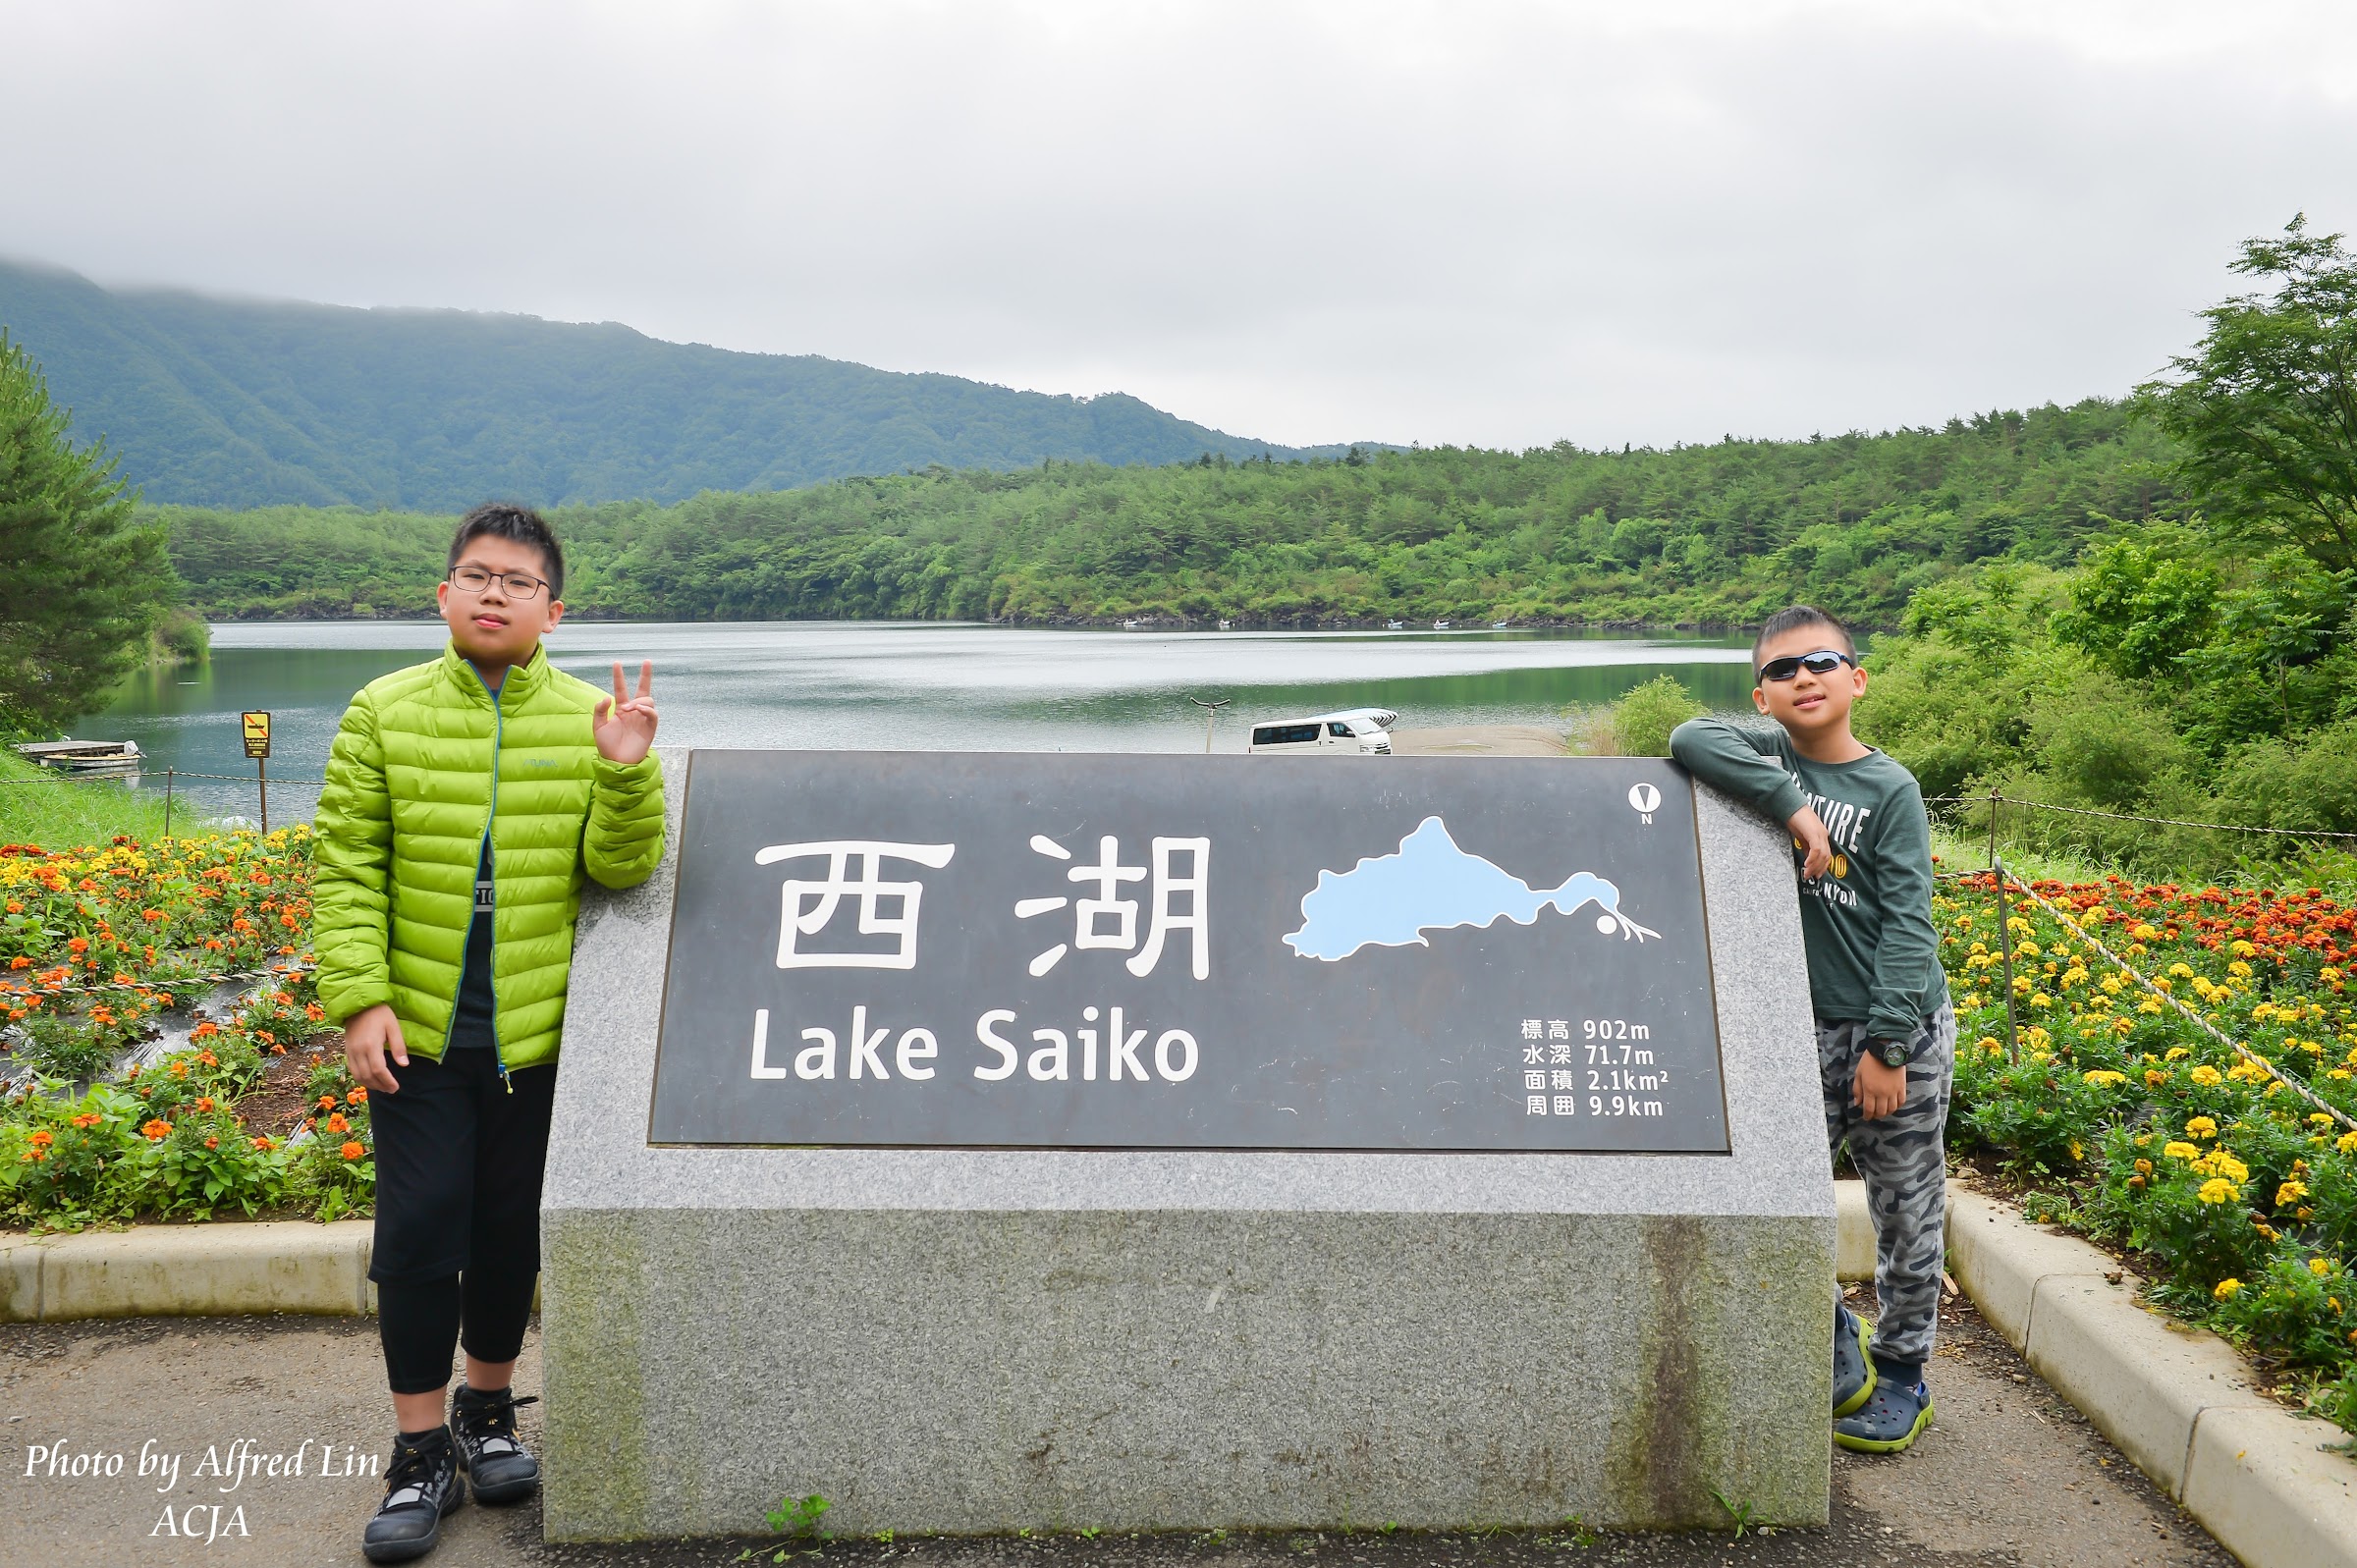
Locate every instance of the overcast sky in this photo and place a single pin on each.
(1497, 224)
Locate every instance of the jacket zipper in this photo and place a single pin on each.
(498, 729)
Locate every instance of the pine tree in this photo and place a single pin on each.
(82, 582)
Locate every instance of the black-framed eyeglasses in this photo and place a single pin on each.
(1824, 661)
(515, 584)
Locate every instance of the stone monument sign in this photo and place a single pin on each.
(992, 1141)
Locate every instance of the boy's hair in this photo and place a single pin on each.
(503, 519)
(1792, 619)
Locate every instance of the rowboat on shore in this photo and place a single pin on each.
(84, 756)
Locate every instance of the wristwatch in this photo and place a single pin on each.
(1893, 1053)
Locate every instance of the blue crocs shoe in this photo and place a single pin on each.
(1893, 1417)
(1853, 1369)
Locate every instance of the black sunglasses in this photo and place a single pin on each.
(1824, 661)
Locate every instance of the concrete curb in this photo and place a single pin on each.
(2177, 1402)
(205, 1271)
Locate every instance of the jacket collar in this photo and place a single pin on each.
(523, 679)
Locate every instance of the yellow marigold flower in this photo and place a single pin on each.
(2149, 1004)
(2218, 1189)
(2238, 969)
(2242, 949)
(2107, 1075)
(2319, 1118)
(2144, 931)
(2181, 971)
(2176, 1054)
(2110, 983)
(2290, 1193)
(2321, 1269)
(2173, 1150)
(2030, 949)
(2226, 1289)
(2201, 1127)
(2155, 1077)
(2205, 1075)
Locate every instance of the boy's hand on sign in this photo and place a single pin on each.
(624, 724)
(1808, 833)
(1877, 1088)
(369, 1037)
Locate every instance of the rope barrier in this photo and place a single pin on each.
(118, 777)
(2195, 1019)
(2126, 816)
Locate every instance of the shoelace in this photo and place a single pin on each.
(494, 1421)
(407, 1478)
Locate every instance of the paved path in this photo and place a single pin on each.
(2010, 1475)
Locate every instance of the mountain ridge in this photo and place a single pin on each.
(238, 401)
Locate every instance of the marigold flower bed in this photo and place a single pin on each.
(96, 943)
(2130, 1124)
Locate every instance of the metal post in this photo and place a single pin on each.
(261, 774)
(168, 802)
(2005, 933)
(1211, 716)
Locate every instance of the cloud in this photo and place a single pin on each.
(1497, 224)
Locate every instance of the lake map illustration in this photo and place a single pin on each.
(1430, 884)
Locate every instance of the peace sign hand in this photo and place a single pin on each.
(624, 724)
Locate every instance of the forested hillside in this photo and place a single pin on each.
(1711, 533)
(245, 403)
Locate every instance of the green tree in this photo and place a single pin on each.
(82, 580)
(2267, 407)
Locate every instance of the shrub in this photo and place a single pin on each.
(1642, 720)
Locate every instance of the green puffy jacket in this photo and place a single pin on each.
(424, 764)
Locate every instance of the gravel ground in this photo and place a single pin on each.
(2009, 1475)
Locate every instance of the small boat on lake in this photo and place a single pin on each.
(84, 756)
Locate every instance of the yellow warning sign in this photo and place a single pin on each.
(257, 734)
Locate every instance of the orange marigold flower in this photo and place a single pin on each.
(204, 1031)
(353, 1151)
(88, 1120)
(208, 1059)
(356, 1096)
(337, 1123)
(42, 1139)
(212, 1143)
(265, 1145)
(204, 1102)
(19, 961)
(79, 944)
(327, 1102)
(157, 1130)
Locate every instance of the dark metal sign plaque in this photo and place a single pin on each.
(958, 949)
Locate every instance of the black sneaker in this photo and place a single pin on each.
(1892, 1419)
(1853, 1368)
(502, 1469)
(421, 1489)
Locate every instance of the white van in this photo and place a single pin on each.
(1353, 733)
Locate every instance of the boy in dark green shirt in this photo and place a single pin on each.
(1885, 1033)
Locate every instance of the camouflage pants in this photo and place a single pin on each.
(1903, 1159)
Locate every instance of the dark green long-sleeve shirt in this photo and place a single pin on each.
(1867, 921)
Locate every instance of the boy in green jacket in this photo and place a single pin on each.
(1885, 1033)
(466, 801)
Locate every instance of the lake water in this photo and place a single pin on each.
(846, 685)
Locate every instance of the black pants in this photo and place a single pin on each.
(459, 1159)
